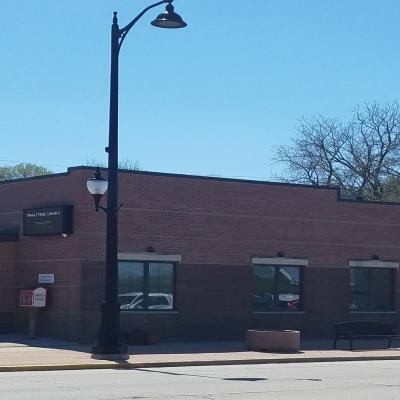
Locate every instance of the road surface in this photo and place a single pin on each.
(339, 381)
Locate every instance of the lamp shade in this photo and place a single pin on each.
(97, 184)
(169, 19)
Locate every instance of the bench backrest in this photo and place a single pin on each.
(364, 328)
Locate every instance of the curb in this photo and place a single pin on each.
(163, 364)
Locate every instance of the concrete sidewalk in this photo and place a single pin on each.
(20, 354)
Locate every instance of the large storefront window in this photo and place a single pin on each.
(146, 286)
(277, 288)
(371, 289)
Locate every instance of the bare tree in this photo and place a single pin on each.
(123, 164)
(359, 155)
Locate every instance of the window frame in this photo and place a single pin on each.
(369, 280)
(146, 284)
(277, 267)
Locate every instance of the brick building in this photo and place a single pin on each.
(201, 257)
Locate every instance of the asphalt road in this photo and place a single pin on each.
(345, 380)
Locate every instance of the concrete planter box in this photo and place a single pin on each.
(280, 341)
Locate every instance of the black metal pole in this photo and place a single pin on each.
(108, 344)
(108, 338)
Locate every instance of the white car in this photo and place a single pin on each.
(156, 301)
(126, 299)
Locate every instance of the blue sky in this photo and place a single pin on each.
(211, 99)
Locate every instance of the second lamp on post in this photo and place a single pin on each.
(108, 343)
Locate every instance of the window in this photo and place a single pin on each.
(146, 286)
(277, 288)
(371, 289)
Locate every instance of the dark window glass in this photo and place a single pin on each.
(277, 288)
(371, 289)
(130, 284)
(146, 286)
(264, 294)
(161, 286)
(359, 281)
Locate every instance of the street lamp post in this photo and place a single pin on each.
(108, 344)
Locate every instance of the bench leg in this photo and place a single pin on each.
(351, 344)
(334, 344)
(389, 342)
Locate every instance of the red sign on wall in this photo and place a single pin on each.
(26, 298)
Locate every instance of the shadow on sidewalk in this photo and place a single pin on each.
(18, 340)
(183, 347)
(198, 347)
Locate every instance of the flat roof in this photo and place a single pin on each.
(201, 177)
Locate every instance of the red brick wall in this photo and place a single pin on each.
(217, 226)
(228, 222)
(47, 254)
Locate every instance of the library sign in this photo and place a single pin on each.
(48, 221)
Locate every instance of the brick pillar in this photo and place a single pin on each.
(8, 291)
(327, 299)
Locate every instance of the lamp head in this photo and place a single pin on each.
(97, 186)
(169, 19)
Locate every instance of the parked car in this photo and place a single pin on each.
(156, 301)
(289, 301)
(126, 299)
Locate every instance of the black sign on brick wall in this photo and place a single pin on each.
(48, 221)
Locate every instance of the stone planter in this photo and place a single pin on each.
(279, 341)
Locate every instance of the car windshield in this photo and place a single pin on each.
(125, 299)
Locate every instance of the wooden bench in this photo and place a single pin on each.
(350, 330)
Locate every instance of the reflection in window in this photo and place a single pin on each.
(277, 288)
(146, 286)
(160, 278)
(371, 289)
(130, 283)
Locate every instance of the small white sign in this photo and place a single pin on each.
(39, 297)
(46, 278)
